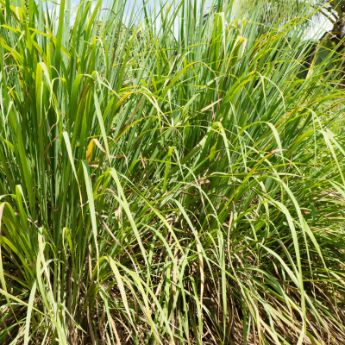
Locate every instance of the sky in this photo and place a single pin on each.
(317, 29)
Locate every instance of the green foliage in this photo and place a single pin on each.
(180, 182)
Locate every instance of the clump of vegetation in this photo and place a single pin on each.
(177, 180)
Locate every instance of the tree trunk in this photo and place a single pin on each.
(336, 37)
(339, 27)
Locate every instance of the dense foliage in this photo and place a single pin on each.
(177, 179)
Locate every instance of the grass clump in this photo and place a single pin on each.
(178, 179)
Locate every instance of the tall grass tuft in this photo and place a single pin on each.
(169, 178)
